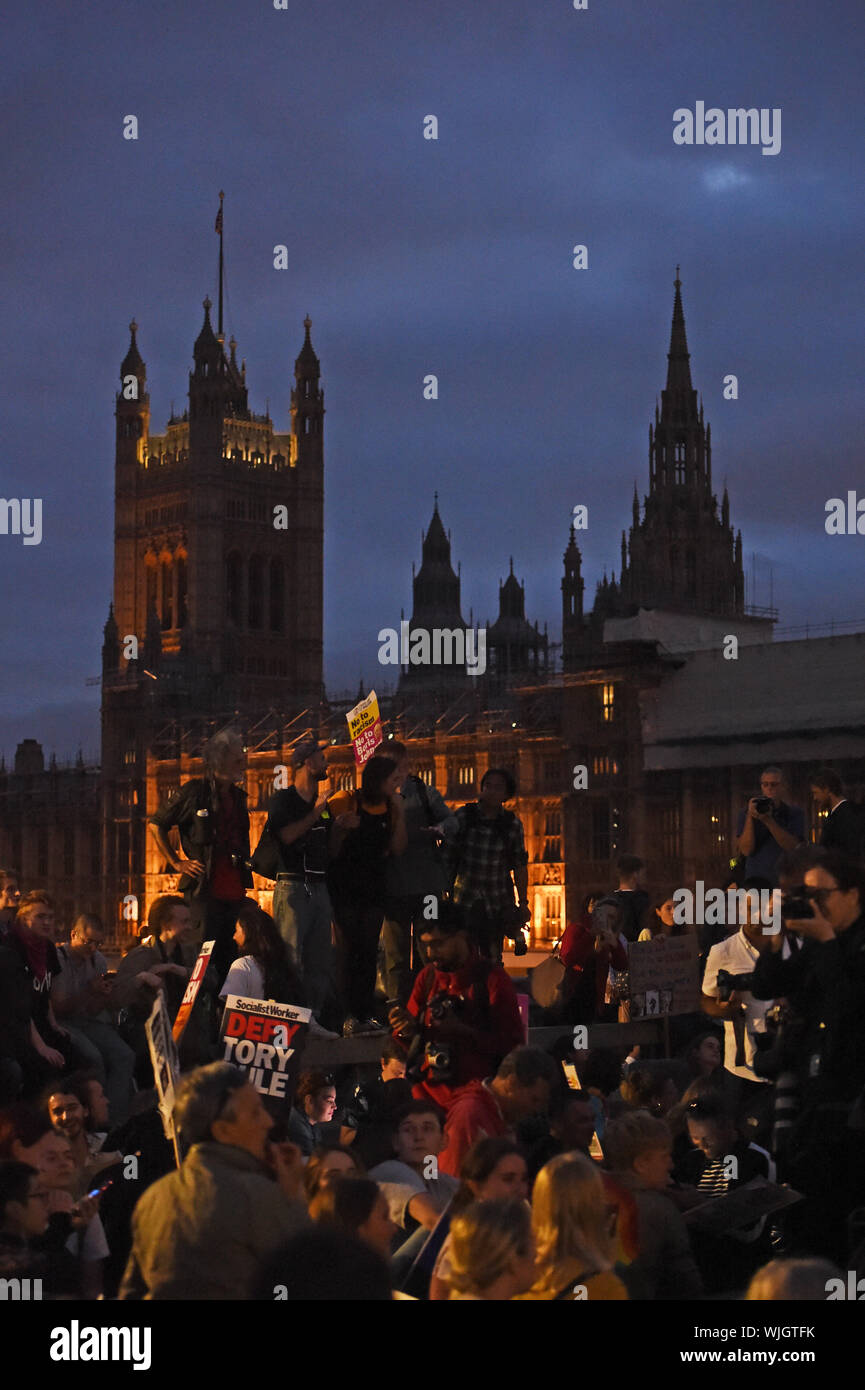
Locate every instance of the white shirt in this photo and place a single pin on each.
(737, 955)
(245, 978)
(93, 1245)
(400, 1184)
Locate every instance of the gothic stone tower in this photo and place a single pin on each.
(436, 593)
(218, 573)
(516, 647)
(682, 556)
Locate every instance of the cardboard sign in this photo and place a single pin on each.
(186, 1003)
(364, 728)
(741, 1207)
(663, 976)
(266, 1040)
(166, 1066)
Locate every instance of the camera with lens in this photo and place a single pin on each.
(727, 982)
(513, 925)
(444, 1006)
(795, 906)
(437, 1063)
(428, 1059)
(782, 1047)
(763, 805)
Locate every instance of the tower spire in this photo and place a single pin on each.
(678, 358)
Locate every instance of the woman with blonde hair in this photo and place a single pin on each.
(492, 1251)
(573, 1233)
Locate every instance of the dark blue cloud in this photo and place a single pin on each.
(413, 256)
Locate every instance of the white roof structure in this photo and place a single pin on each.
(781, 701)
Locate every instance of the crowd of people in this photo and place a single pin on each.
(466, 1163)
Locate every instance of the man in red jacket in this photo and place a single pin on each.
(521, 1087)
(462, 1014)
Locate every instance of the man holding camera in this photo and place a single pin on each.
(727, 995)
(826, 978)
(462, 1016)
(768, 828)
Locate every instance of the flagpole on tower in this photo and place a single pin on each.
(219, 230)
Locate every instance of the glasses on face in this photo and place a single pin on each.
(819, 895)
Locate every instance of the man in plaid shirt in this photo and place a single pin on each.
(491, 861)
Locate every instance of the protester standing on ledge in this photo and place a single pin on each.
(413, 877)
(369, 827)
(213, 824)
(299, 823)
(490, 861)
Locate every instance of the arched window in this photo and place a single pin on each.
(180, 589)
(152, 577)
(680, 461)
(167, 594)
(277, 596)
(255, 595)
(233, 588)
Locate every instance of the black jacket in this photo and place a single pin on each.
(825, 981)
(844, 830)
(194, 811)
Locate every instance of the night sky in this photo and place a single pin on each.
(413, 256)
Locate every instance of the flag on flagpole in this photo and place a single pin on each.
(218, 227)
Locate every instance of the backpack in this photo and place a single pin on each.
(632, 906)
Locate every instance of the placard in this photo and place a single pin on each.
(198, 973)
(266, 1039)
(663, 976)
(364, 728)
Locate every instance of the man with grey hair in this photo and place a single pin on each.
(212, 823)
(297, 829)
(768, 827)
(203, 1231)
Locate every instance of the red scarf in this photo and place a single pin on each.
(35, 949)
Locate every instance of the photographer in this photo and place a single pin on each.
(213, 825)
(768, 827)
(826, 978)
(727, 995)
(462, 1015)
(827, 975)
